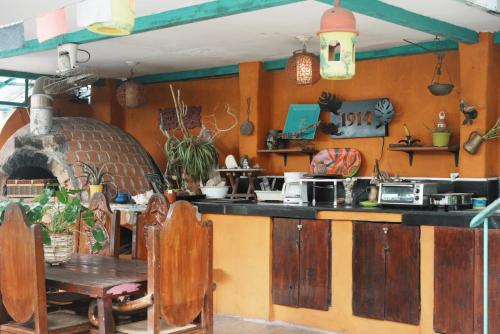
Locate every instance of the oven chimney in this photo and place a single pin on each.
(41, 111)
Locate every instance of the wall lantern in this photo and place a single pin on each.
(121, 22)
(302, 68)
(337, 37)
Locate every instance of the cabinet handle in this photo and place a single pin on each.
(299, 227)
(385, 230)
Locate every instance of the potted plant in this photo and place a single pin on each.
(170, 193)
(57, 211)
(440, 136)
(94, 177)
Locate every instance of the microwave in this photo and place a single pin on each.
(406, 193)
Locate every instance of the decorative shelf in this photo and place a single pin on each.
(289, 151)
(410, 150)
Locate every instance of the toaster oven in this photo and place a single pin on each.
(406, 193)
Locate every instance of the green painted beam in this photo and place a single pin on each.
(192, 74)
(383, 11)
(496, 37)
(18, 74)
(171, 18)
(407, 50)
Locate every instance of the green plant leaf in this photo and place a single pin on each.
(62, 195)
(88, 218)
(72, 210)
(98, 235)
(96, 247)
(46, 237)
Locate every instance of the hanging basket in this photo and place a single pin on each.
(131, 94)
(60, 249)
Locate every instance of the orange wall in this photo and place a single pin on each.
(211, 94)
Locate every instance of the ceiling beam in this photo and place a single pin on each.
(279, 64)
(170, 18)
(18, 74)
(403, 17)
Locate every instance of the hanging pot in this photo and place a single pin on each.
(440, 89)
(473, 143)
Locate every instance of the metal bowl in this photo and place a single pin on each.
(440, 89)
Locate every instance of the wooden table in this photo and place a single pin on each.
(103, 278)
(234, 175)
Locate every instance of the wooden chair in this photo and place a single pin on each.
(155, 214)
(110, 223)
(22, 281)
(180, 288)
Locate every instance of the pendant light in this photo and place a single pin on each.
(131, 93)
(122, 19)
(337, 37)
(302, 68)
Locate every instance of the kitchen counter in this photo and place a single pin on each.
(409, 216)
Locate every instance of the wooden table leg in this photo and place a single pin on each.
(105, 315)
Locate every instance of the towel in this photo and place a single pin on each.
(51, 24)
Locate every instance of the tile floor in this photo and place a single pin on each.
(235, 325)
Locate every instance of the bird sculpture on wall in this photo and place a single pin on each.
(469, 111)
(329, 102)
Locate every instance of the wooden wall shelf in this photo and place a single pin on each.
(287, 151)
(411, 150)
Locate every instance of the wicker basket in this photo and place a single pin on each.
(60, 249)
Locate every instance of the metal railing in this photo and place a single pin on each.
(482, 218)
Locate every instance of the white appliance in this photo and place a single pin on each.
(294, 192)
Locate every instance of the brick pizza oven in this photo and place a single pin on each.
(26, 156)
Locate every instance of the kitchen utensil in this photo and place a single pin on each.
(473, 143)
(246, 128)
(343, 161)
(216, 192)
(293, 190)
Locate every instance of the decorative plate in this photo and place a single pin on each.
(343, 161)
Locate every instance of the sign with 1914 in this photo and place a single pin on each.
(364, 118)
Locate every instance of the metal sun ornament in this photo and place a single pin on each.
(303, 67)
(337, 36)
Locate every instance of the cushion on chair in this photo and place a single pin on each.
(59, 322)
(140, 327)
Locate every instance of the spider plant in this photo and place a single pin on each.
(93, 174)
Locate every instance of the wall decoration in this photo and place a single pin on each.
(328, 102)
(301, 117)
(51, 24)
(469, 111)
(338, 161)
(337, 37)
(475, 139)
(12, 36)
(168, 118)
(358, 119)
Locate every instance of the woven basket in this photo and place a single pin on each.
(60, 249)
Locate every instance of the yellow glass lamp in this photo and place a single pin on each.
(122, 21)
(337, 37)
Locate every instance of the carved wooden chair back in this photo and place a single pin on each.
(22, 269)
(109, 222)
(155, 214)
(180, 269)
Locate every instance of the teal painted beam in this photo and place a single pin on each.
(277, 64)
(496, 37)
(407, 50)
(18, 74)
(192, 74)
(171, 18)
(403, 17)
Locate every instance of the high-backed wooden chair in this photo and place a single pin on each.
(155, 214)
(110, 223)
(22, 280)
(180, 288)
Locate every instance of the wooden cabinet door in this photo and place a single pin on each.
(453, 280)
(402, 282)
(368, 270)
(315, 264)
(285, 261)
(493, 282)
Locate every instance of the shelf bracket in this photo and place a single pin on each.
(410, 158)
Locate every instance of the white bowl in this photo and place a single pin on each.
(215, 191)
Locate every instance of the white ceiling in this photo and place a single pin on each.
(260, 35)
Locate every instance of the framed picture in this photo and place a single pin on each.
(300, 117)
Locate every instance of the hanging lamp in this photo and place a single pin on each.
(122, 19)
(302, 68)
(337, 36)
(130, 94)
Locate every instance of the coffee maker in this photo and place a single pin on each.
(294, 192)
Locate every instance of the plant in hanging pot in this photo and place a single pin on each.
(94, 176)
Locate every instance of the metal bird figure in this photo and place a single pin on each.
(469, 111)
(328, 102)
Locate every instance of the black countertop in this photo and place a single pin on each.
(411, 216)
